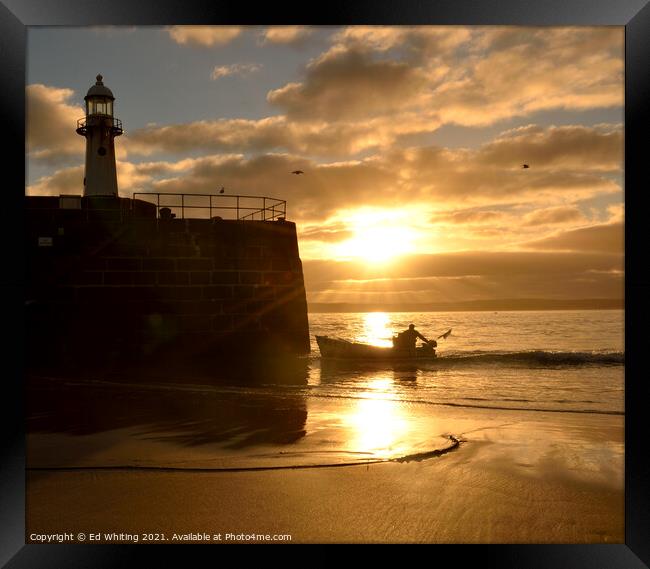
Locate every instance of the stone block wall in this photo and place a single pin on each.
(124, 285)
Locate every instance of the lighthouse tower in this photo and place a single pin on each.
(100, 128)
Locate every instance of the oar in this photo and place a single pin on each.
(444, 335)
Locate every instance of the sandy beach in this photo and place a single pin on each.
(517, 477)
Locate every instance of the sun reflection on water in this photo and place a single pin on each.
(377, 424)
(376, 329)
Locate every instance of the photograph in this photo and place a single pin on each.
(354, 278)
(325, 284)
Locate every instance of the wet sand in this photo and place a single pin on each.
(518, 477)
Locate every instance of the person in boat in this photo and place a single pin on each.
(407, 339)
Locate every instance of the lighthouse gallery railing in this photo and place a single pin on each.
(110, 121)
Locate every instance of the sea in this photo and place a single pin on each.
(532, 365)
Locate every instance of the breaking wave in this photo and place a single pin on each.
(530, 358)
(537, 358)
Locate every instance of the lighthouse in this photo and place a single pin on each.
(100, 128)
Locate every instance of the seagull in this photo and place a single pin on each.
(297, 172)
(445, 335)
(525, 166)
(222, 190)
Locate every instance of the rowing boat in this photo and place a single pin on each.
(344, 349)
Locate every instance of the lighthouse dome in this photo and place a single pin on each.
(99, 90)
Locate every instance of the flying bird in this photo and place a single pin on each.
(525, 166)
(445, 335)
(297, 172)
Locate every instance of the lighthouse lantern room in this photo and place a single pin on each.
(100, 128)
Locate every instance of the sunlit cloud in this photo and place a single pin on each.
(346, 84)
(316, 138)
(616, 212)
(63, 181)
(240, 69)
(451, 181)
(570, 147)
(130, 178)
(332, 232)
(554, 215)
(472, 217)
(376, 71)
(436, 41)
(468, 276)
(285, 35)
(605, 238)
(204, 36)
(51, 122)
(514, 72)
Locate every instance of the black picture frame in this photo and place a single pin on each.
(17, 15)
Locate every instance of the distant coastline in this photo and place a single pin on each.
(474, 305)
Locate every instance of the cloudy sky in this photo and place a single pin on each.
(412, 140)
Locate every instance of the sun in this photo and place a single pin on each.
(378, 244)
(377, 237)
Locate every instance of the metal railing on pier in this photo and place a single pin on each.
(224, 206)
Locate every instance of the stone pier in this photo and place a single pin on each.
(110, 281)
